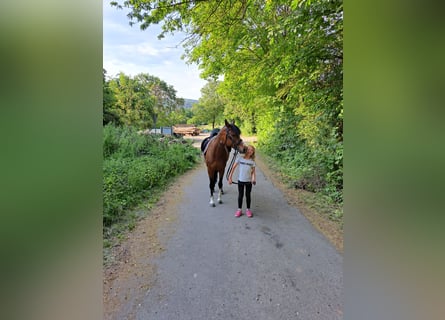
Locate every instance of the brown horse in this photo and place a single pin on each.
(217, 153)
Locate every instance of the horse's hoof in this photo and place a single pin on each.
(219, 201)
(212, 205)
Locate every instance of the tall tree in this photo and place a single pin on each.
(141, 101)
(210, 107)
(163, 96)
(109, 114)
(134, 104)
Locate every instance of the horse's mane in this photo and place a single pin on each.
(214, 132)
(234, 128)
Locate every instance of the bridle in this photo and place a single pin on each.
(234, 145)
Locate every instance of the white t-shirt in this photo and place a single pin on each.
(245, 169)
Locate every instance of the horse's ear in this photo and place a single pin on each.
(226, 123)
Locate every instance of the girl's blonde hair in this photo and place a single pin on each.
(253, 153)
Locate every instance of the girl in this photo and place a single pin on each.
(246, 178)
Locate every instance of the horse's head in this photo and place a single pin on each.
(233, 136)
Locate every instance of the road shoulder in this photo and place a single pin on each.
(296, 197)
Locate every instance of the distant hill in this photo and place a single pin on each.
(189, 102)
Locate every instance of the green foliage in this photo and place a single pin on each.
(142, 101)
(135, 165)
(281, 63)
(311, 164)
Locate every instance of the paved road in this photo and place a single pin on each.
(273, 266)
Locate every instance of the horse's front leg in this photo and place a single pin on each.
(220, 186)
(212, 189)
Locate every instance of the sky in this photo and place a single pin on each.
(130, 50)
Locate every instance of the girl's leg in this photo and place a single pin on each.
(248, 190)
(240, 194)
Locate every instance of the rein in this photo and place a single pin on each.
(231, 165)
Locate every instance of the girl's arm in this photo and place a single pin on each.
(231, 172)
(253, 176)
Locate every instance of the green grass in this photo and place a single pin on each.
(316, 201)
(136, 170)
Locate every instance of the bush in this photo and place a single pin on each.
(134, 165)
(316, 167)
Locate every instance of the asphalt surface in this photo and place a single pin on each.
(273, 266)
(215, 266)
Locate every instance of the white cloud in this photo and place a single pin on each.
(143, 49)
(112, 27)
(183, 78)
(128, 49)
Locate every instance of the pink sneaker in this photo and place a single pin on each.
(249, 213)
(238, 213)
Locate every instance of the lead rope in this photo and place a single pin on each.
(231, 165)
